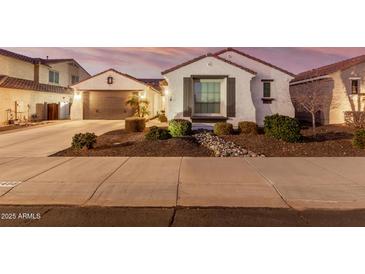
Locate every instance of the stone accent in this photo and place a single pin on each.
(222, 148)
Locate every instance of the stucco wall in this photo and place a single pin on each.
(339, 91)
(245, 109)
(279, 87)
(342, 99)
(16, 68)
(324, 89)
(65, 69)
(25, 97)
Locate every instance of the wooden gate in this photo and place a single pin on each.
(52, 111)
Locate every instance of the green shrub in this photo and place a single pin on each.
(223, 128)
(156, 133)
(180, 127)
(282, 127)
(135, 124)
(246, 127)
(81, 140)
(359, 139)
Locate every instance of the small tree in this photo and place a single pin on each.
(311, 98)
(140, 106)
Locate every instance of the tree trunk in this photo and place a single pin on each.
(313, 122)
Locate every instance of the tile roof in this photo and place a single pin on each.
(328, 69)
(204, 56)
(156, 83)
(17, 83)
(17, 56)
(37, 60)
(253, 58)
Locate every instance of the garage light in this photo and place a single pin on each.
(77, 96)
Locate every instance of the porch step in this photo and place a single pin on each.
(208, 119)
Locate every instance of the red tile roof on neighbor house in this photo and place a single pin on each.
(45, 62)
(17, 83)
(328, 69)
(253, 58)
(204, 56)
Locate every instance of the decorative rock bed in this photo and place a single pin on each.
(222, 148)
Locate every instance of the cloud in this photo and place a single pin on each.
(148, 62)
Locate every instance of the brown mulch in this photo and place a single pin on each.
(329, 141)
(122, 143)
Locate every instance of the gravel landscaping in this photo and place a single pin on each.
(330, 141)
(222, 147)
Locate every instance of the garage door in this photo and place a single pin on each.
(109, 105)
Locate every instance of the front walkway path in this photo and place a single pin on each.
(295, 183)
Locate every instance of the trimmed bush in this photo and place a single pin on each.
(246, 127)
(156, 133)
(359, 139)
(81, 140)
(179, 127)
(135, 124)
(282, 127)
(223, 128)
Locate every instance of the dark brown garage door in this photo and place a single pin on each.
(107, 105)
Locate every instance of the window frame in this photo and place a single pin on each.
(208, 79)
(265, 83)
(75, 77)
(357, 80)
(54, 73)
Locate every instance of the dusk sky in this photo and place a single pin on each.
(149, 62)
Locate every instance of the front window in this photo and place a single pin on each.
(207, 96)
(267, 89)
(53, 77)
(74, 79)
(355, 87)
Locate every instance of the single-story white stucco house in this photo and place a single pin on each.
(104, 96)
(227, 85)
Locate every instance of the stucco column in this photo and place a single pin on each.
(77, 106)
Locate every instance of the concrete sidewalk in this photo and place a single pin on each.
(298, 183)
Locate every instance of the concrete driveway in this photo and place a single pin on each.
(48, 139)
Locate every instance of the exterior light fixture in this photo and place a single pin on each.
(77, 95)
(110, 80)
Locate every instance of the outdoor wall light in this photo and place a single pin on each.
(77, 95)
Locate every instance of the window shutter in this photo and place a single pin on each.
(188, 97)
(231, 97)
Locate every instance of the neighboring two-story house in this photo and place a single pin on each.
(36, 88)
(340, 87)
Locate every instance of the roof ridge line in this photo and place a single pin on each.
(254, 58)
